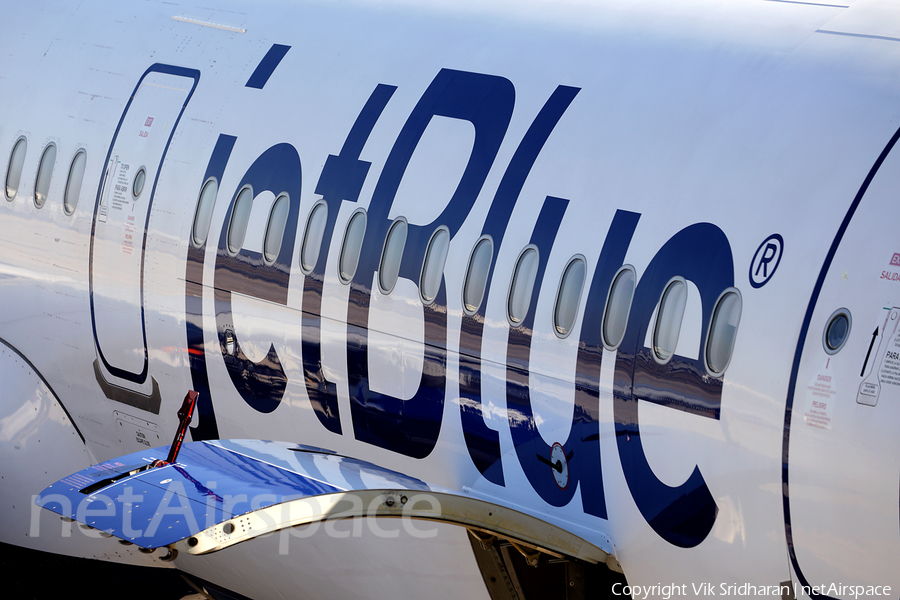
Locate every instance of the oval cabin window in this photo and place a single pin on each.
(203, 214)
(618, 307)
(275, 229)
(569, 296)
(723, 332)
(433, 265)
(389, 267)
(353, 239)
(45, 173)
(668, 320)
(240, 215)
(312, 238)
(73, 183)
(522, 285)
(14, 170)
(477, 274)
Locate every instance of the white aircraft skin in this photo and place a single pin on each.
(746, 147)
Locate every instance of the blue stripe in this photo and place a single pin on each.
(206, 428)
(267, 66)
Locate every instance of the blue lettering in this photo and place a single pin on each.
(411, 427)
(342, 179)
(683, 515)
(482, 442)
(261, 384)
(582, 448)
(206, 428)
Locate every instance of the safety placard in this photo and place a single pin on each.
(821, 393)
(886, 362)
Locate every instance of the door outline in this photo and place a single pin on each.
(798, 354)
(111, 389)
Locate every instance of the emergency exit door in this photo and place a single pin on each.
(841, 481)
(119, 233)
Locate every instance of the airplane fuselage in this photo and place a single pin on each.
(396, 237)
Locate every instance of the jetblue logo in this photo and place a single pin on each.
(411, 427)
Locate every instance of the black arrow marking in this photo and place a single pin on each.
(556, 466)
(871, 344)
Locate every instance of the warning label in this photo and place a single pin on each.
(120, 197)
(886, 369)
(117, 198)
(115, 194)
(892, 275)
(128, 241)
(890, 367)
(821, 394)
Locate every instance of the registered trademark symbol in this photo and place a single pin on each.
(766, 260)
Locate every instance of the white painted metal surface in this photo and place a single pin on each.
(759, 117)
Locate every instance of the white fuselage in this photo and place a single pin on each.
(741, 146)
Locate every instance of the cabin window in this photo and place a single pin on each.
(522, 285)
(73, 183)
(240, 215)
(353, 239)
(14, 170)
(836, 331)
(312, 239)
(477, 274)
(203, 214)
(137, 186)
(668, 320)
(45, 173)
(391, 254)
(275, 228)
(618, 307)
(433, 265)
(723, 331)
(569, 296)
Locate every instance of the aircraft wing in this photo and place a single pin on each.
(221, 493)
